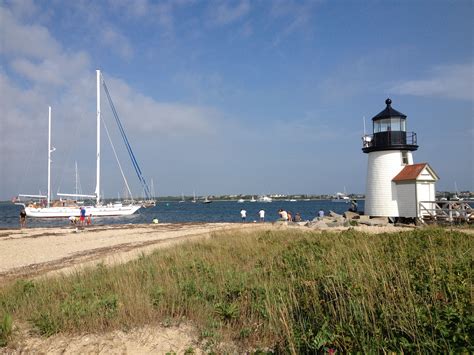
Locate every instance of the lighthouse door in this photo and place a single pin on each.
(424, 194)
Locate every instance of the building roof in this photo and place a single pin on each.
(388, 112)
(411, 172)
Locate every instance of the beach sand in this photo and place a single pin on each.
(31, 252)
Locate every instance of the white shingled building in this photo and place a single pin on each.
(395, 186)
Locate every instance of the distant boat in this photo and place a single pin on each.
(241, 200)
(206, 200)
(148, 203)
(341, 197)
(265, 199)
(253, 199)
(151, 202)
(182, 198)
(455, 196)
(292, 200)
(194, 197)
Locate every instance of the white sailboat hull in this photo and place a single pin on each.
(344, 200)
(95, 211)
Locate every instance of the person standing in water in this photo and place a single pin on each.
(22, 218)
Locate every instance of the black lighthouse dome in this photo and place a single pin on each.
(389, 132)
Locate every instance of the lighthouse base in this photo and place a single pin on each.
(381, 192)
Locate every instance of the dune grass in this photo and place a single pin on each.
(288, 291)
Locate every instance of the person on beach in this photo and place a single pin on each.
(82, 218)
(353, 207)
(289, 216)
(283, 215)
(321, 214)
(261, 215)
(22, 218)
(297, 217)
(89, 220)
(243, 214)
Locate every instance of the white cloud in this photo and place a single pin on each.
(298, 15)
(137, 7)
(28, 40)
(223, 13)
(449, 81)
(150, 117)
(24, 8)
(117, 42)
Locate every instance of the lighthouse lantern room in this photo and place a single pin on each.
(389, 150)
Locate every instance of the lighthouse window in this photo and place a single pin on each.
(389, 124)
(382, 126)
(404, 158)
(396, 124)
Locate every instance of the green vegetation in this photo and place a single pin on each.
(290, 291)
(5, 329)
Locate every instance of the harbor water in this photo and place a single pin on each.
(176, 212)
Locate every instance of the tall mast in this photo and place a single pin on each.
(97, 186)
(76, 177)
(49, 158)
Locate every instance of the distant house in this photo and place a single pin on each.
(415, 184)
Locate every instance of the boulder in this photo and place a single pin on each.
(351, 215)
(379, 221)
(334, 214)
(336, 224)
(318, 224)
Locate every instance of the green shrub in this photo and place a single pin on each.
(6, 328)
(46, 324)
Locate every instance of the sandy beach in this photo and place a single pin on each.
(31, 252)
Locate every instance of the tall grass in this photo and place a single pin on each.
(285, 290)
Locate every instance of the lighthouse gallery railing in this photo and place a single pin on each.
(389, 138)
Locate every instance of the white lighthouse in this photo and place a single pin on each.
(389, 151)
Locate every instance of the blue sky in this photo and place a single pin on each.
(220, 97)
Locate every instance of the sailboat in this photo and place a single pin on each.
(265, 199)
(77, 190)
(341, 197)
(194, 197)
(182, 198)
(206, 200)
(68, 208)
(455, 196)
(151, 202)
